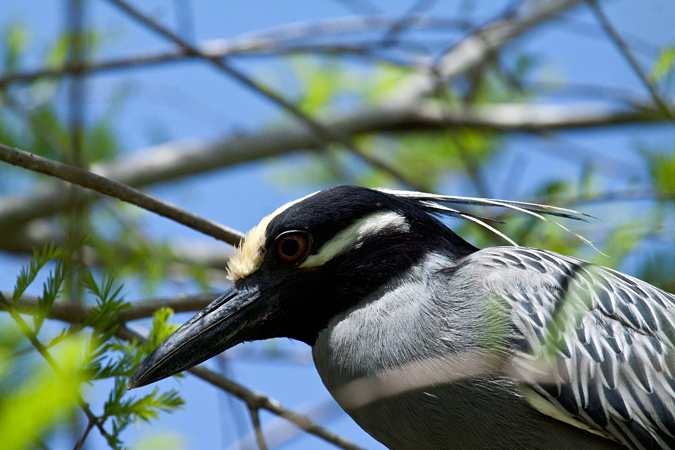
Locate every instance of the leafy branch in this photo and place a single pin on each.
(99, 356)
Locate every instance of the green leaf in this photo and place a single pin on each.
(387, 78)
(16, 41)
(51, 289)
(58, 53)
(662, 168)
(125, 409)
(321, 81)
(43, 400)
(109, 303)
(37, 262)
(659, 270)
(164, 441)
(161, 328)
(663, 66)
(51, 133)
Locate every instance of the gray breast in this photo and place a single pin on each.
(423, 318)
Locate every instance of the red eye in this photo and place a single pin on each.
(292, 246)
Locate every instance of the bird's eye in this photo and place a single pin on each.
(293, 246)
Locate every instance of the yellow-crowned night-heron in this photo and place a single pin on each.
(430, 343)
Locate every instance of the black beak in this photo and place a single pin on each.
(219, 326)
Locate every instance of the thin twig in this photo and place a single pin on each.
(628, 55)
(278, 431)
(400, 25)
(255, 418)
(77, 313)
(119, 191)
(360, 6)
(80, 442)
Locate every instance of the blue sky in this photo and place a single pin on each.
(193, 101)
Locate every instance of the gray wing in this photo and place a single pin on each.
(594, 343)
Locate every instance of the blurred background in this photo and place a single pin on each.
(230, 109)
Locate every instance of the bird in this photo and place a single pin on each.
(428, 342)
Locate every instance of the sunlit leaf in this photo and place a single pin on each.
(164, 441)
(43, 400)
(16, 41)
(663, 65)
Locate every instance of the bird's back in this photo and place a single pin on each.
(592, 342)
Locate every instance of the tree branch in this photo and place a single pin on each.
(77, 313)
(276, 41)
(255, 418)
(476, 48)
(271, 405)
(117, 190)
(628, 55)
(175, 160)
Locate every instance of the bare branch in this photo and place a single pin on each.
(117, 190)
(175, 160)
(77, 313)
(271, 405)
(80, 442)
(274, 42)
(464, 57)
(278, 431)
(403, 23)
(255, 418)
(478, 47)
(628, 55)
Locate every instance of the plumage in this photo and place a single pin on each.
(430, 343)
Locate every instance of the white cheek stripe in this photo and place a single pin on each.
(354, 235)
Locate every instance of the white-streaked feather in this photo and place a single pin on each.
(474, 219)
(435, 202)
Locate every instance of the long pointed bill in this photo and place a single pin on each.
(216, 328)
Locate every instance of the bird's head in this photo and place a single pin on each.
(308, 261)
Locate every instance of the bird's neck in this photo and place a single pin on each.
(387, 328)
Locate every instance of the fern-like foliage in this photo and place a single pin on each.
(98, 353)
